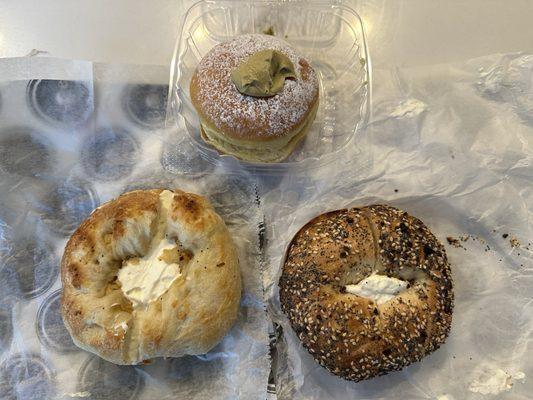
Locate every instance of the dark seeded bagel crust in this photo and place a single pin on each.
(352, 336)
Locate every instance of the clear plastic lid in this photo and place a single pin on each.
(329, 34)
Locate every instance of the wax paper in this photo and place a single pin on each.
(452, 145)
(74, 135)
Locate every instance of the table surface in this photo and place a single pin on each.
(408, 33)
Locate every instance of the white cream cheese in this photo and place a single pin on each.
(145, 279)
(379, 288)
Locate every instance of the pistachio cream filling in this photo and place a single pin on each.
(248, 150)
(263, 73)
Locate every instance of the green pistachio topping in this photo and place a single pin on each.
(263, 74)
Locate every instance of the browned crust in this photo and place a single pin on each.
(352, 336)
(89, 232)
(189, 208)
(245, 128)
(193, 314)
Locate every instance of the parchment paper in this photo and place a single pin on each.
(72, 136)
(452, 145)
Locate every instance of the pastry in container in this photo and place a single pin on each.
(256, 98)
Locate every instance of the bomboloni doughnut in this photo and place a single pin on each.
(367, 290)
(153, 273)
(257, 129)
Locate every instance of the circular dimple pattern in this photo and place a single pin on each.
(59, 101)
(231, 196)
(352, 336)
(50, 327)
(183, 158)
(109, 154)
(28, 268)
(22, 153)
(104, 380)
(148, 182)
(66, 205)
(186, 372)
(6, 329)
(26, 376)
(146, 105)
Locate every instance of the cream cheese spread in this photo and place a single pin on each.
(378, 288)
(144, 279)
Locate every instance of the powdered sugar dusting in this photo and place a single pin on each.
(237, 114)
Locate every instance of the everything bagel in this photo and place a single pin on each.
(367, 290)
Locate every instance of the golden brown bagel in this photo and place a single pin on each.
(251, 128)
(356, 337)
(190, 316)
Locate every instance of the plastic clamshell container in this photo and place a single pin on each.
(329, 34)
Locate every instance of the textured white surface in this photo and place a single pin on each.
(238, 367)
(143, 32)
(490, 138)
(464, 166)
(490, 379)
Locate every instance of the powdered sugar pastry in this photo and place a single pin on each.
(230, 110)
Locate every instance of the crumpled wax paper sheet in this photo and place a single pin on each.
(73, 135)
(452, 145)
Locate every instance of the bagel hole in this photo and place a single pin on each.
(129, 260)
(126, 305)
(178, 255)
(410, 274)
(166, 254)
(114, 281)
(355, 274)
(379, 287)
(113, 284)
